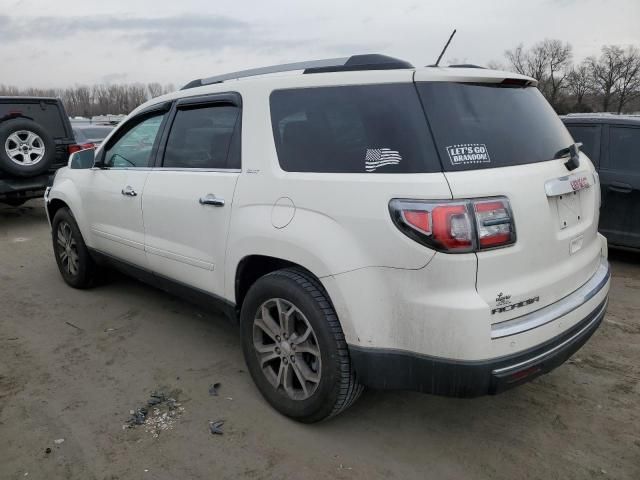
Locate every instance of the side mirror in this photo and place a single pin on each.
(82, 159)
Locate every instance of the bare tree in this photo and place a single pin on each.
(548, 61)
(605, 73)
(578, 83)
(517, 59)
(628, 86)
(558, 56)
(155, 89)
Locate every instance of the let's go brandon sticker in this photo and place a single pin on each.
(468, 153)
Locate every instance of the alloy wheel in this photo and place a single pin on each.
(24, 147)
(287, 348)
(67, 249)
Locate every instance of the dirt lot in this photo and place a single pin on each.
(74, 363)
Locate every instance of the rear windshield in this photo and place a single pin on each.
(486, 125)
(352, 129)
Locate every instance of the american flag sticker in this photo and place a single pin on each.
(380, 157)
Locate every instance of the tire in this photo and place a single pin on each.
(319, 359)
(26, 149)
(65, 233)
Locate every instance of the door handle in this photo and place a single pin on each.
(211, 199)
(620, 187)
(129, 191)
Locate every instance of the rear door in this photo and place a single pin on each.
(620, 177)
(188, 196)
(500, 140)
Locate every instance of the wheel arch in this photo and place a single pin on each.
(65, 195)
(255, 266)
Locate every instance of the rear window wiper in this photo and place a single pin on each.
(573, 151)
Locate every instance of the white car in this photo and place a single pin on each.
(366, 222)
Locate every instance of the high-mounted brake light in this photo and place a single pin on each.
(458, 226)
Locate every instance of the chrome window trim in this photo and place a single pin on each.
(556, 310)
(137, 169)
(186, 169)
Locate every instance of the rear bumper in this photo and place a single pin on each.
(401, 370)
(30, 187)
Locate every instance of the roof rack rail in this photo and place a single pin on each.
(352, 63)
(466, 65)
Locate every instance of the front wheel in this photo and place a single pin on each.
(72, 256)
(295, 349)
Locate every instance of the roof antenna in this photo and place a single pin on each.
(445, 47)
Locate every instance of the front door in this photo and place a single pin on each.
(620, 180)
(188, 197)
(113, 195)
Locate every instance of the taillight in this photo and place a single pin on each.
(456, 226)
(494, 223)
(77, 147)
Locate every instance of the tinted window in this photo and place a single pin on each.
(94, 133)
(134, 145)
(202, 138)
(624, 149)
(486, 125)
(589, 135)
(352, 129)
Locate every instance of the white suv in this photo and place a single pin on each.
(366, 222)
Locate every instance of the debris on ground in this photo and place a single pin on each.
(47, 450)
(159, 414)
(216, 427)
(58, 441)
(74, 326)
(213, 389)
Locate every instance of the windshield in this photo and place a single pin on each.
(488, 125)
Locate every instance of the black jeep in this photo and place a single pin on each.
(35, 140)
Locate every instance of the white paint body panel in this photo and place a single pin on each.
(389, 291)
(185, 240)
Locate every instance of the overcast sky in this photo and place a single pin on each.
(58, 43)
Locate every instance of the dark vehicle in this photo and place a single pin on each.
(89, 136)
(613, 144)
(35, 140)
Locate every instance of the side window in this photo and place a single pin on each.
(589, 135)
(133, 148)
(204, 137)
(624, 149)
(352, 129)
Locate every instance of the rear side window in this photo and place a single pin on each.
(203, 137)
(352, 129)
(589, 135)
(624, 149)
(487, 125)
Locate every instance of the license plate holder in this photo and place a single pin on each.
(569, 208)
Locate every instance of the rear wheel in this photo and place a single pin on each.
(72, 256)
(295, 348)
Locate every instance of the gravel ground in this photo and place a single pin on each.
(74, 364)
